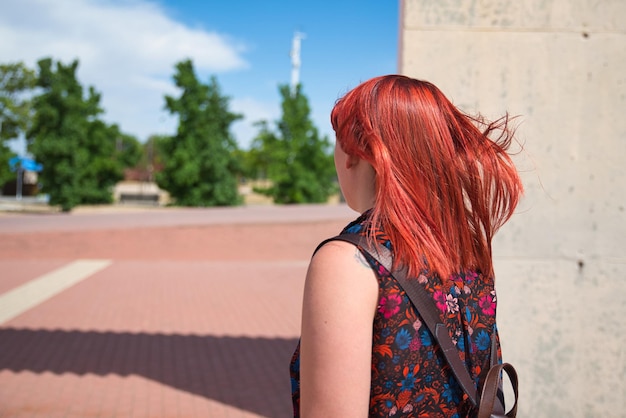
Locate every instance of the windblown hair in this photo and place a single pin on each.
(444, 181)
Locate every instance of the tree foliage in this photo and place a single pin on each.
(294, 157)
(201, 166)
(78, 150)
(128, 150)
(16, 82)
(152, 156)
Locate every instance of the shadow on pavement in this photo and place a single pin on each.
(246, 372)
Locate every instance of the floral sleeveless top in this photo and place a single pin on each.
(410, 376)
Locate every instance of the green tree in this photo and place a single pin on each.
(155, 149)
(77, 149)
(128, 150)
(151, 156)
(200, 168)
(295, 158)
(255, 162)
(16, 84)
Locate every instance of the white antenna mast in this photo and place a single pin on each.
(295, 60)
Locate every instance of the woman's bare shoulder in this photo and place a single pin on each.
(340, 284)
(337, 253)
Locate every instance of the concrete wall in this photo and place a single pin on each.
(561, 262)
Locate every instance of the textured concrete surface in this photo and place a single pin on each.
(561, 262)
(197, 313)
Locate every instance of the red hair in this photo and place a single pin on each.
(443, 186)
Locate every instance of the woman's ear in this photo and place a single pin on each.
(352, 161)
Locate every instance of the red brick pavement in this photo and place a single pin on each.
(197, 315)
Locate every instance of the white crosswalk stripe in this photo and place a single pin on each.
(36, 291)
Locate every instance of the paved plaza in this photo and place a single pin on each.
(154, 312)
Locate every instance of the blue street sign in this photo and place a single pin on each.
(25, 163)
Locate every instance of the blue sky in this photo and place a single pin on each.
(128, 48)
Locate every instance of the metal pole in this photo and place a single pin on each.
(18, 191)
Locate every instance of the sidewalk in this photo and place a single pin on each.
(192, 313)
(27, 204)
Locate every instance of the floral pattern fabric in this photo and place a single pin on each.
(410, 376)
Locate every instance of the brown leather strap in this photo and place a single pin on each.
(489, 397)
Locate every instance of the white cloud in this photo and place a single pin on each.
(127, 51)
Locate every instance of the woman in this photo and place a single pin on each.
(431, 185)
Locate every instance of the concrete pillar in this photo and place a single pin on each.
(561, 261)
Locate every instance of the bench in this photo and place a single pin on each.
(142, 198)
